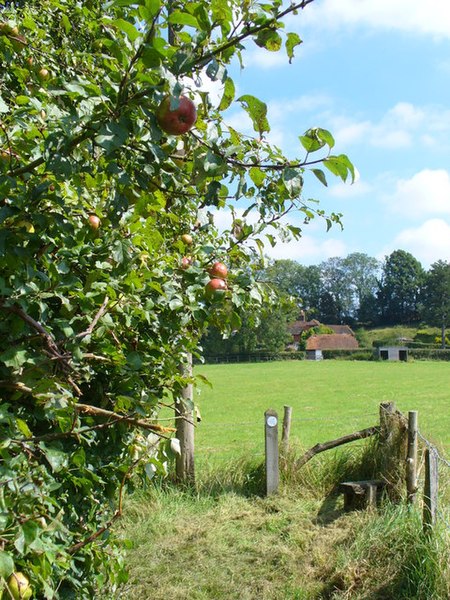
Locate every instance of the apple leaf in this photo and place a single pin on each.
(292, 40)
(269, 39)
(182, 18)
(340, 166)
(257, 176)
(229, 91)
(257, 111)
(6, 564)
(320, 176)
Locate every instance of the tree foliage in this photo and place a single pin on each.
(436, 296)
(400, 288)
(96, 321)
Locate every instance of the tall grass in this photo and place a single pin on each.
(223, 540)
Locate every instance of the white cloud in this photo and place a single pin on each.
(308, 249)
(402, 126)
(428, 243)
(425, 193)
(412, 16)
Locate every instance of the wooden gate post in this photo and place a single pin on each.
(411, 459)
(287, 417)
(430, 492)
(184, 411)
(271, 444)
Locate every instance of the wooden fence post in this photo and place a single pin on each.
(271, 445)
(287, 418)
(184, 412)
(411, 459)
(430, 492)
(387, 410)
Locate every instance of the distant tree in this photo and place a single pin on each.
(436, 296)
(329, 309)
(301, 282)
(361, 273)
(400, 288)
(336, 292)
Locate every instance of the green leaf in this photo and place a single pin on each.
(269, 39)
(229, 91)
(315, 139)
(257, 111)
(14, 358)
(23, 428)
(320, 176)
(56, 458)
(340, 166)
(257, 176)
(182, 18)
(128, 28)
(292, 40)
(134, 361)
(6, 564)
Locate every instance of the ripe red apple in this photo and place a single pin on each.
(19, 586)
(215, 289)
(186, 238)
(180, 119)
(94, 221)
(218, 270)
(186, 262)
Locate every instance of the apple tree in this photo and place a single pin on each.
(107, 232)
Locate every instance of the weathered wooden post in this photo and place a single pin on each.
(184, 411)
(271, 444)
(430, 492)
(387, 411)
(411, 459)
(287, 418)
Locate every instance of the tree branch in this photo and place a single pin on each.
(358, 435)
(101, 412)
(95, 320)
(249, 31)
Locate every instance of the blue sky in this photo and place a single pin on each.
(376, 73)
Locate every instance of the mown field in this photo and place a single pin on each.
(223, 540)
(329, 399)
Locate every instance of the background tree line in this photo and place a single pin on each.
(357, 290)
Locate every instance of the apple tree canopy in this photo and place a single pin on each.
(96, 310)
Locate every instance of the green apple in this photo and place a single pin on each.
(19, 586)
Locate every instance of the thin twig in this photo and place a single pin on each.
(95, 320)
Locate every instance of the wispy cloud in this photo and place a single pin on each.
(412, 16)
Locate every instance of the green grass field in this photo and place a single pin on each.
(329, 399)
(223, 540)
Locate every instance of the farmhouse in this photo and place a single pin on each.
(331, 341)
(296, 328)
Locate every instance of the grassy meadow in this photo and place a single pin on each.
(329, 399)
(223, 540)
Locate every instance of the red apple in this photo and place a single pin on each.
(218, 270)
(215, 289)
(94, 221)
(180, 119)
(186, 262)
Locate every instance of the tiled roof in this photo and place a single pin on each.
(298, 327)
(332, 341)
(341, 329)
